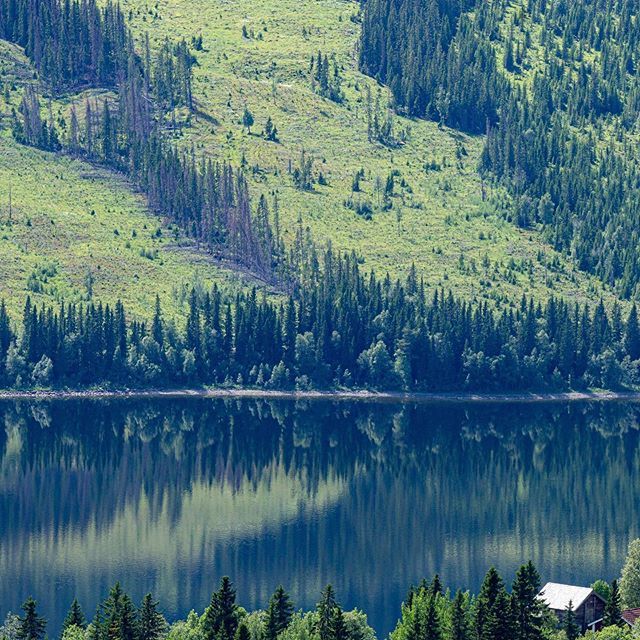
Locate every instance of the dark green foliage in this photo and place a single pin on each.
(75, 616)
(492, 587)
(327, 80)
(613, 608)
(279, 613)
(563, 145)
(433, 60)
(221, 617)
(460, 623)
(569, 624)
(152, 623)
(339, 327)
(527, 607)
(31, 625)
(330, 624)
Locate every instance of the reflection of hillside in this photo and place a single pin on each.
(168, 495)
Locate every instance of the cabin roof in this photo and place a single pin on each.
(557, 596)
(630, 616)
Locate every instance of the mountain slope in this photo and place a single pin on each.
(257, 54)
(438, 215)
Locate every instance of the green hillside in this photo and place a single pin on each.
(77, 232)
(258, 55)
(439, 221)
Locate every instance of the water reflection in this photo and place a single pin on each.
(168, 495)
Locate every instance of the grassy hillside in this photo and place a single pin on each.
(79, 232)
(257, 54)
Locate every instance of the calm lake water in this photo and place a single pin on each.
(169, 495)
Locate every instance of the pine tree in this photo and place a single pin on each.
(528, 607)
(326, 614)
(432, 629)
(221, 617)
(632, 334)
(247, 119)
(492, 585)
(31, 626)
(569, 624)
(152, 622)
(613, 609)
(75, 616)
(278, 614)
(460, 628)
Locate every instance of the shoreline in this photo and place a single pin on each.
(363, 395)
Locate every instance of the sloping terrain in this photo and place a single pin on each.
(257, 55)
(72, 231)
(78, 232)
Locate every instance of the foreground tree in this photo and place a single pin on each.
(570, 626)
(75, 616)
(613, 608)
(630, 580)
(32, 625)
(152, 622)
(278, 614)
(221, 617)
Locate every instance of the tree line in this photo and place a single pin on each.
(430, 612)
(556, 88)
(342, 328)
(79, 44)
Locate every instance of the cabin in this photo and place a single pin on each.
(630, 616)
(588, 606)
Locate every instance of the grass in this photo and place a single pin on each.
(441, 221)
(79, 232)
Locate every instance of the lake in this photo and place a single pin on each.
(168, 495)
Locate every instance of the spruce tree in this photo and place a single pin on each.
(31, 626)
(221, 617)
(152, 623)
(613, 609)
(460, 628)
(278, 614)
(569, 624)
(75, 616)
(492, 585)
(326, 614)
(528, 607)
(432, 630)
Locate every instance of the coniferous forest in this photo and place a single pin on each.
(430, 610)
(555, 91)
(558, 142)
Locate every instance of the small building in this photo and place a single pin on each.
(587, 605)
(630, 616)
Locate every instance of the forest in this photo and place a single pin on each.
(330, 324)
(555, 88)
(345, 329)
(430, 611)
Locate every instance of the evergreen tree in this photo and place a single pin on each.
(569, 624)
(326, 614)
(152, 623)
(460, 627)
(612, 609)
(31, 625)
(528, 607)
(279, 613)
(247, 119)
(221, 617)
(75, 616)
